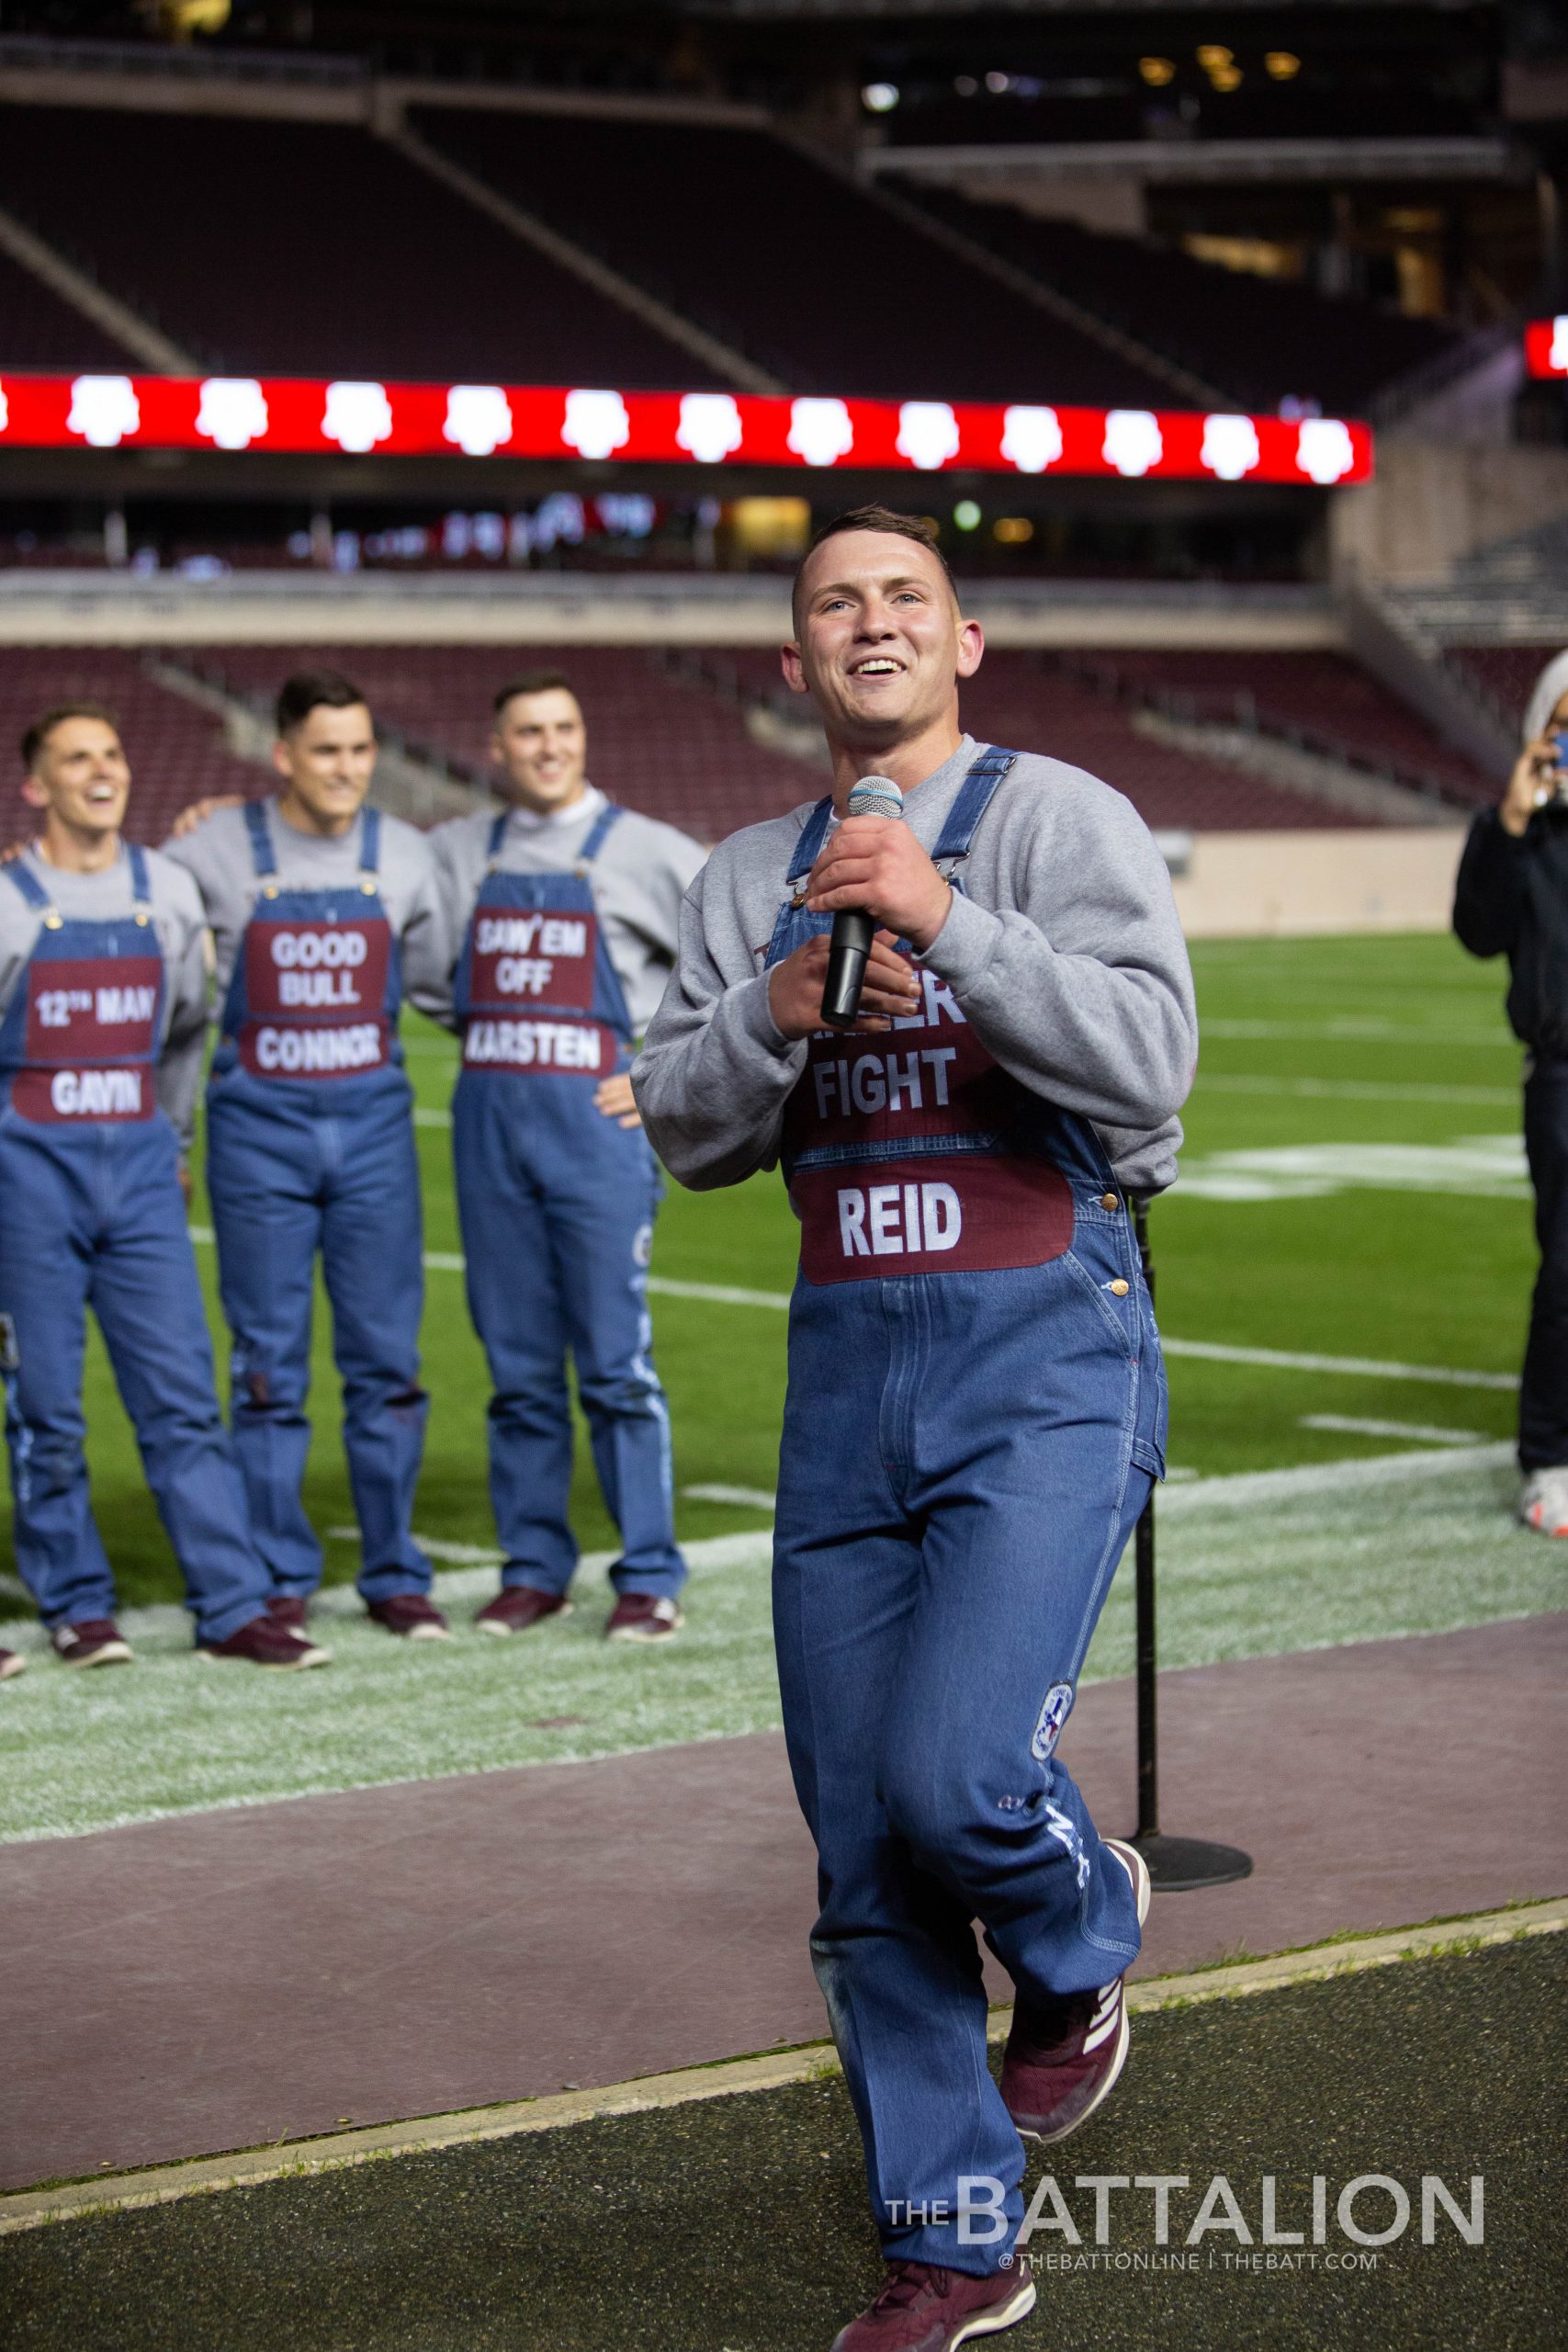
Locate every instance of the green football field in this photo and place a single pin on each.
(1343, 1277)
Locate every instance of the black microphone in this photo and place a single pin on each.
(854, 929)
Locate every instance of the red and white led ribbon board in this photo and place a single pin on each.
(1546, 347)
(298, 416)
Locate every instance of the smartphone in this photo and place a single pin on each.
(1560, 750)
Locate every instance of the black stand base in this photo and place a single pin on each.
(1177, 1864)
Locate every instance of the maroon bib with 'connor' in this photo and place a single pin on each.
(968, 1209)
(91, 1032)
(315, 997)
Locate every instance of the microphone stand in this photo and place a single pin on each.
(1175, 1864)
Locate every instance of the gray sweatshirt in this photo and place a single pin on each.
(181, 929)
(218, 855)
(638, 879)
(1065, 955)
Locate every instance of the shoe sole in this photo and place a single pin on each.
(11, 1667)
(634, 1634)
(271, 1665)
(1536, 1518)
(417, 1632)
(496, 1625)
(993, 2322)
(1137, 1871)
(111, 1653)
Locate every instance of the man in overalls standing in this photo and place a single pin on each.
(103, 1007)
(976, 1405)
(567, 908)
(323, 912)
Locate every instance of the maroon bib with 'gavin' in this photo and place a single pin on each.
(315, 998)
(966, 1211)
(527, 956)
(90, 1039)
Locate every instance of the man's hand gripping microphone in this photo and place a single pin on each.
(854, 929)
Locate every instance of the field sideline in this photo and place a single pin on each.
(1354, 1192)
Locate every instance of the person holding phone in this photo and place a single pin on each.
(1512, 900)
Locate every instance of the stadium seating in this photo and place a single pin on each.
(312, 249)
(668, 746)
(677, 745)
(812, 277)
(1261, 340)
(39, 329)
(1505, 675)
(177, 749)
(1321, 701)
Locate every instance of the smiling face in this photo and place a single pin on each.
(880, 645)
(540, 744)
(326, 763)
(81, 776)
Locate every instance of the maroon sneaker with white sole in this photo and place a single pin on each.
(264, 1642)
(925, 2309)
(412, 1615)
(1063, 2056)
(94, 1641)
(11, 1663)
(288, 1609)
(518, 1606)
(643, 1617)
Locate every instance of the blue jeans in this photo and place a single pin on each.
(964, 1459)
(96, 1219)
(557, 1206)
(335, 1173)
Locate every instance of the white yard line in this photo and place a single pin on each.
(1353, 1089)
(1250, 1489)
(744, 1498)
(1419, 1433)
(450, 1261)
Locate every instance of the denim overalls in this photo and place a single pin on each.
(91, 1216)
(975, 1409)
(310, 1147)
(556, 1205)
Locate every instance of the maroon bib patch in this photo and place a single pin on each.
(942, 1213)
(587, 1049)
(525, 957)
(92, 1023)
(315, 998)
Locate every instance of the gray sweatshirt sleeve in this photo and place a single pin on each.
(1085, 996)
(716, 1070)
(425, 949)
(179, 1064)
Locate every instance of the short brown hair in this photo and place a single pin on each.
(918, 527)
(34, 737)
(534, 682)
(310, 690)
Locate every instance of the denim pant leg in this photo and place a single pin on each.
(1543, 1390)
(372, 1261)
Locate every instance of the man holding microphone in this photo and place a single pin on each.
(976, 1404)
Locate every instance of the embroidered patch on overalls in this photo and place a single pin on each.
(1052, 1715)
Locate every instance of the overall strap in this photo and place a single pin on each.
(497, 835)
(31, 889)
(370, 842)
(973, 799)
(813, 834)
(141, 881)
(608, 815)
(264, 856)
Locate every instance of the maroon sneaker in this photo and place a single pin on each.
(1063, 2056)
(94, 1641)
(288, 1609)
(411, 1614)
(924, 2309)
(518, 1606)
(10, 1664)
(643, 1617)
(264, 1642)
